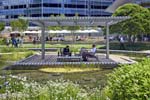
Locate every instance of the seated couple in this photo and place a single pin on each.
(89, 54)
(83, 52)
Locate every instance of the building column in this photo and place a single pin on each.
(107, 40)
(43, 41)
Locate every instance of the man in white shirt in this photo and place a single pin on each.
(122, 46)
(92, 52)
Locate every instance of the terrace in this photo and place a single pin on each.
(52, 59)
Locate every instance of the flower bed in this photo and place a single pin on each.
(17, 88)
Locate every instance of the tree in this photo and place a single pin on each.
(2, 26)
(19, 25)
(73, 29)
(138, 23)
(56, 27)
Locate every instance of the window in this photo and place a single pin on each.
(75, 6)
(6, 7)
(35, 5)
(51, 5)
(98, 7)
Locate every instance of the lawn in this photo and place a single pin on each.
(113, 46)
(57, 45)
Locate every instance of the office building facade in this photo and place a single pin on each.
(11, 9)
(144, 3)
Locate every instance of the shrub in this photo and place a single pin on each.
(128, 46)
(11, 83)
(2, 41)
(19, 88)
(130, 82)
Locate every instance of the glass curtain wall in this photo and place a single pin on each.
(11, 9)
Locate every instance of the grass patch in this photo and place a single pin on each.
(55, 46)
(11, 49)
(14, 56)
(2, 64)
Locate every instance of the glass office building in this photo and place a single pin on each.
(144, 3)
(11, 9)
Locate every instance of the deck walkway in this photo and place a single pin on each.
(51, 59)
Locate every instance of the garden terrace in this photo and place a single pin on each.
(44, 22)
(51, 60)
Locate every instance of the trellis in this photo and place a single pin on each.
(44, 22)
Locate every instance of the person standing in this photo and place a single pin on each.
(122, 46)
(34, 40)
(16, 42)
(13, 41)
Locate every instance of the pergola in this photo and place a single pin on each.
(44, 22)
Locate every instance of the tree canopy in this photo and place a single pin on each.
(19, 25)
(139, 22)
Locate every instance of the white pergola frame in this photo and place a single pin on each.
(44, 22)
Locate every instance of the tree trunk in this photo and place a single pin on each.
(134, 37)
(129, 38)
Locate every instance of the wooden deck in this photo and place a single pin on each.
(51, 59)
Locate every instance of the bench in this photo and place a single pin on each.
(93, 56)
(69, 58)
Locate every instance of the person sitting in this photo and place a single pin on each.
(90, 54)
(66, 51)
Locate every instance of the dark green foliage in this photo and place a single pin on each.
(19, 25)
(2, 26)
(2, 41)
(129, 46)
(138, 23)
(130, 82)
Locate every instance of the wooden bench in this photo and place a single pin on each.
(69, 58)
